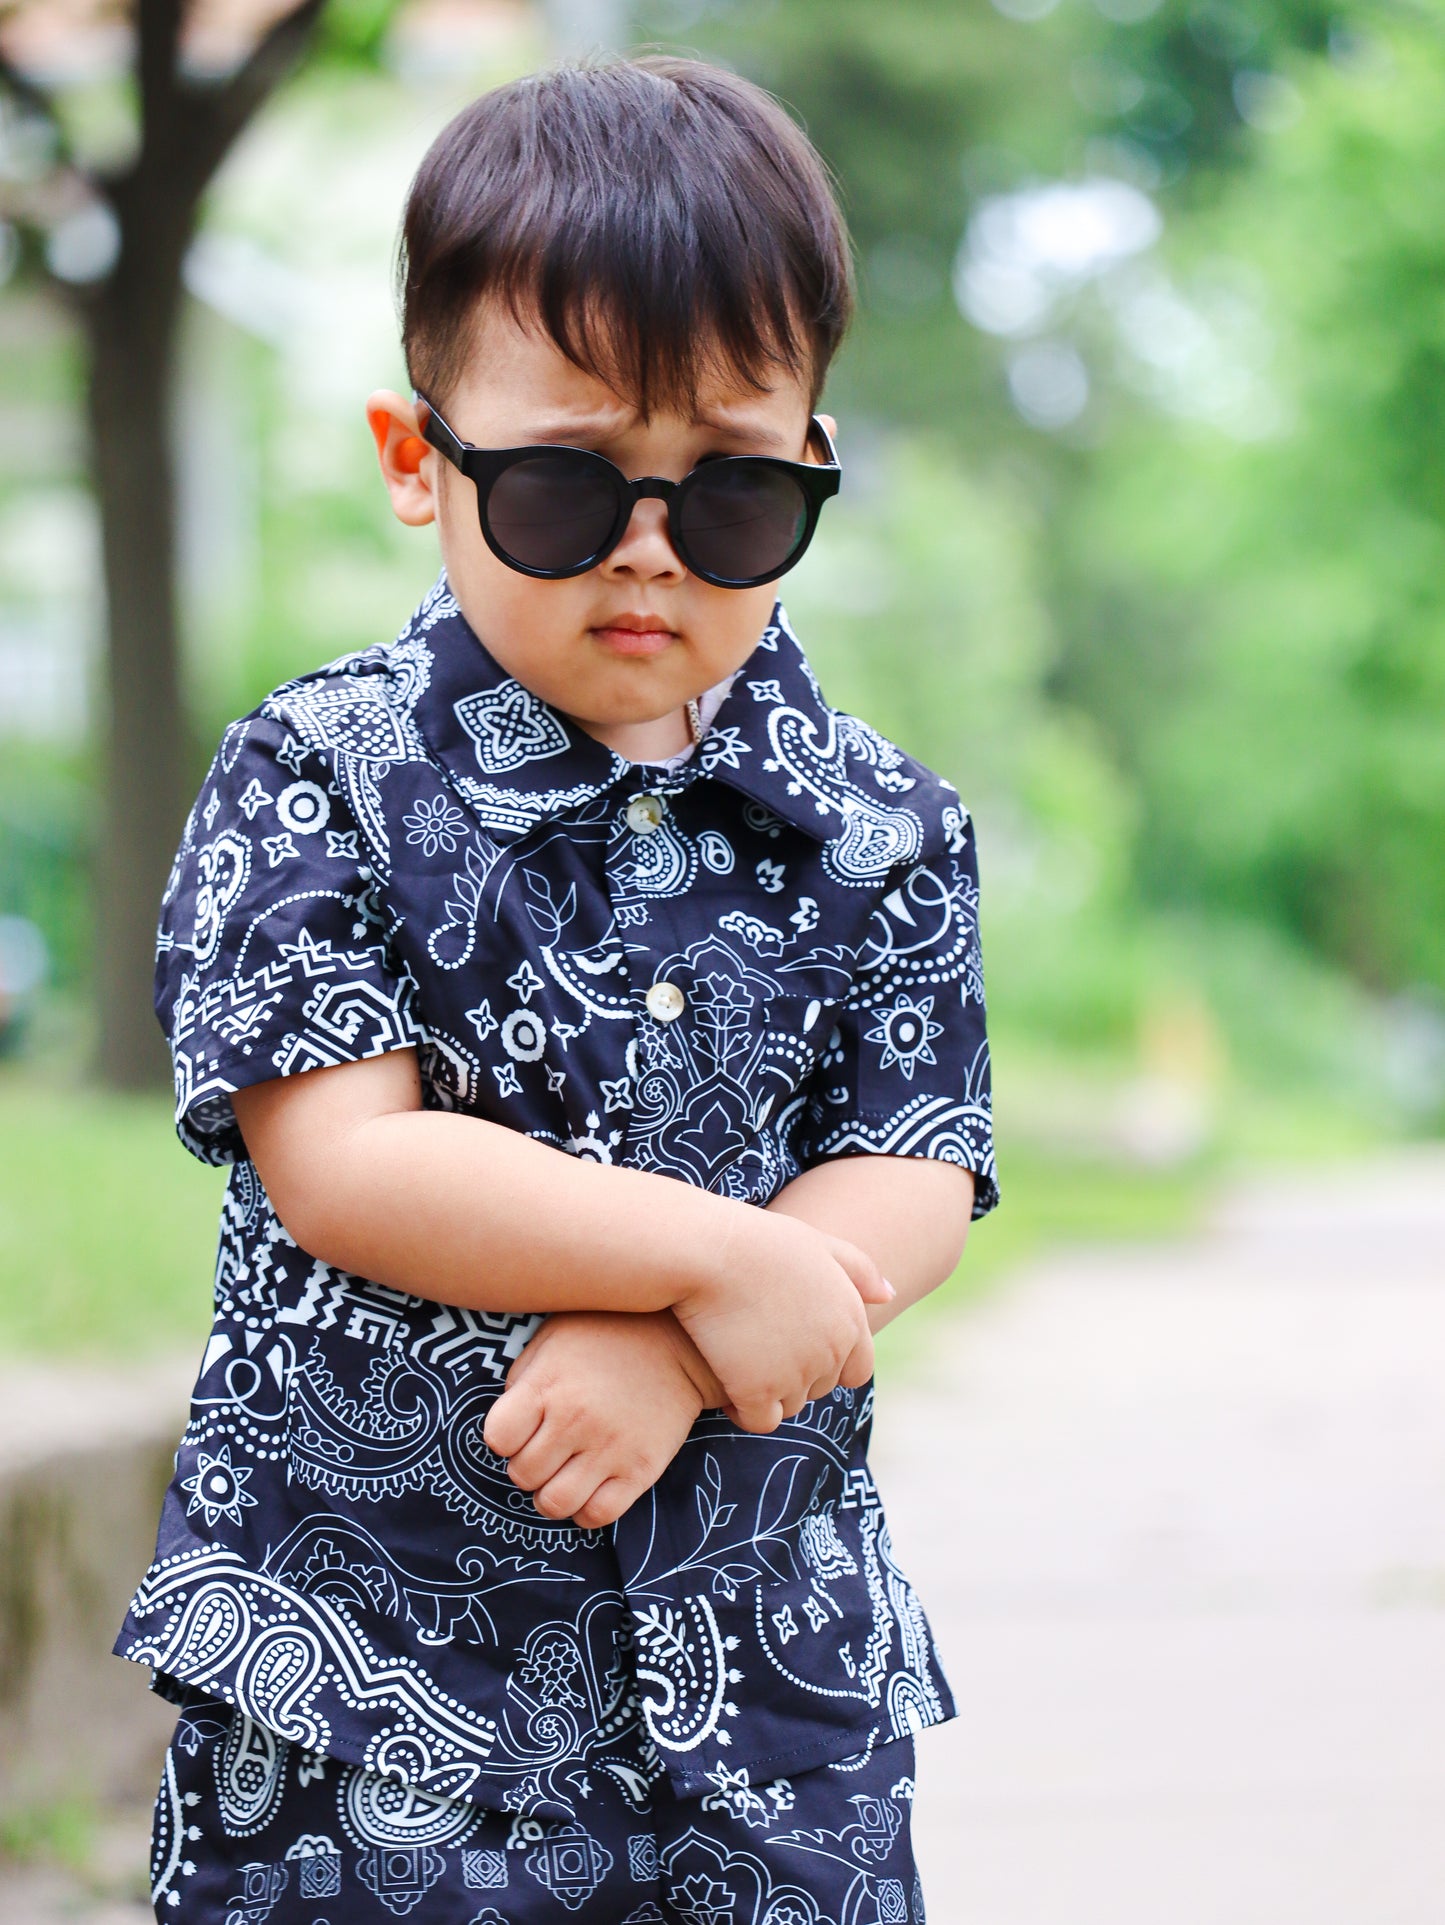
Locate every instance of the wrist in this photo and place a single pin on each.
(692, 1363)
(719, 1248)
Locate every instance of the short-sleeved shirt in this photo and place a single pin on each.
(724, 970)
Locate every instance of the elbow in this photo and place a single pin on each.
(314, 1220)
(958, 1224)
(318, 1204)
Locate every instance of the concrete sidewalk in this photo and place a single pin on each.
(1178, 1516)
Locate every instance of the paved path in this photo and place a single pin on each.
(1178, 1516)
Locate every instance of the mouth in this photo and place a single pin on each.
(634, 634)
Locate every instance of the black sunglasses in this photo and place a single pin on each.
(736, 521)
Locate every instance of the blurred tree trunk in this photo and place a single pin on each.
(130, 325)
(130, 314)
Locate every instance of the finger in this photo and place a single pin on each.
(512, 1419)
(858, 1367)
(541, 1457)
(608, 1502)
(794, 1402)
(759, 1418)
(564, 1494)
(868, 1280)
(821, 1387)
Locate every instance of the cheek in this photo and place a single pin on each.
(469, 563)
(730, 622)
(503, 607)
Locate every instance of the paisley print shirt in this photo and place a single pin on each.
(409, 848)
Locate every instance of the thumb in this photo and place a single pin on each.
(867, 1279)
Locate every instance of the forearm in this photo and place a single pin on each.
(468, 1212)
(472, 1213)
(911, 1214)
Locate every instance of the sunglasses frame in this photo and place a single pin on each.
(818, 481)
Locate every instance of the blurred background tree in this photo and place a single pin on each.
(1138, 542)
(106, 211)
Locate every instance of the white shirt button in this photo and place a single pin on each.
(664, 1001)
(644, 814)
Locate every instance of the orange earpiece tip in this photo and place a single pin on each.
(411, 454)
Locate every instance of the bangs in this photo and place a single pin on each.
(664, 222)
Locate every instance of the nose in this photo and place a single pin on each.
(645, 552)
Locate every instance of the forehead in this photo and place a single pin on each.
(514, 371)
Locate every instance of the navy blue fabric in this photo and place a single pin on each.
(252, 1831)
(410, 848)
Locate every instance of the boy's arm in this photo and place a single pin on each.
(596, 1407)
(910, 1213)
(468, 1212)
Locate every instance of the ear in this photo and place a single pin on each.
(408, 463)
(832, 426)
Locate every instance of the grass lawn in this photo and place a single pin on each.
(108, 1227)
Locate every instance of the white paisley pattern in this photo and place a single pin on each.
(832, 1847)
(410, 849)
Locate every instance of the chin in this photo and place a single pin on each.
(634, 701)
(616, 715)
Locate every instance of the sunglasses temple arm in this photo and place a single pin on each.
(439, 434)
(825, 441)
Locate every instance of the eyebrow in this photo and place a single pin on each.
(744, 430)
(596, 427)
(590, 427)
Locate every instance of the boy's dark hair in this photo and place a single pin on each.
(663, 219)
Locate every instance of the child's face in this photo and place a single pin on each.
(628, 642)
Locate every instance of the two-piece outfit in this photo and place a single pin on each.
(404, 1692)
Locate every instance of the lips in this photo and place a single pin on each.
(634, 634)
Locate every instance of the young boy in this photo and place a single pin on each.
(568, 959)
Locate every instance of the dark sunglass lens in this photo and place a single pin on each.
(552, 511)
(742, 520)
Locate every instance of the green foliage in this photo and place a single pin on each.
(1262, 623)
(355, 30)
(896, 98)
(46, 809)
(922, 107)
(1171, 83)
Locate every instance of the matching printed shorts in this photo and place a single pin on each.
(250, 1830)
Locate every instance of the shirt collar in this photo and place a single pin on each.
(518, 761)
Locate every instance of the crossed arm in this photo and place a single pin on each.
(663, 1300)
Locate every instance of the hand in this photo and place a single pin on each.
(779, 1316)
(596, 1408)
